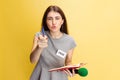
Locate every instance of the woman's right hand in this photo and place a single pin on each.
(42, 41)
(39, 43)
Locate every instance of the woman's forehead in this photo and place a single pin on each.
(53, 14)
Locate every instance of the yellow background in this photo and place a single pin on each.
(94, 24)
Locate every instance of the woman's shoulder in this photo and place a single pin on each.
(68, 36)
(69, 39)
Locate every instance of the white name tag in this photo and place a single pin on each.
(61, 53)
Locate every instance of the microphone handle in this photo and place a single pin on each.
(76, 71)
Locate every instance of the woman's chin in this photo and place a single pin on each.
(53, 30)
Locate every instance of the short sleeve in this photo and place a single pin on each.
(72, 43)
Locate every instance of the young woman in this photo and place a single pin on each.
(53, 47)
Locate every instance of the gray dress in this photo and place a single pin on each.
(49, 58)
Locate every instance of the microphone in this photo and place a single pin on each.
(83, 72)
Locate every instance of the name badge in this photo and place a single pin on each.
(61, 53)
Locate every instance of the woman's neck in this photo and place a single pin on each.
(56, 35)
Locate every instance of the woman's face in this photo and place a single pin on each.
(54, 21)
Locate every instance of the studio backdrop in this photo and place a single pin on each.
(94, 24)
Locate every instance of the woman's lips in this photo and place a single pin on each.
(53, 27)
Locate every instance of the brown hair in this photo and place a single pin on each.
(56, 9)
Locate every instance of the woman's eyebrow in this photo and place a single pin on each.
(52, 17)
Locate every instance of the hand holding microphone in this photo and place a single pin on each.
(83, 72)
(71, 70)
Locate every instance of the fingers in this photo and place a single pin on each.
(73, 72)
(41, 37)
(42, 44)
(42, 41)
(68, 72)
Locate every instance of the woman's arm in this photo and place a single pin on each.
(68, 61)
(38, 44)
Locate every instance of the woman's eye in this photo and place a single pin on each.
(49, 18)
(57, 18)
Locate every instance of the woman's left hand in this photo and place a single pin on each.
(69, 73)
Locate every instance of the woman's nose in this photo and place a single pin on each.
(53, 22)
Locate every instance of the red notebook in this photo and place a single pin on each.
(67, 67)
